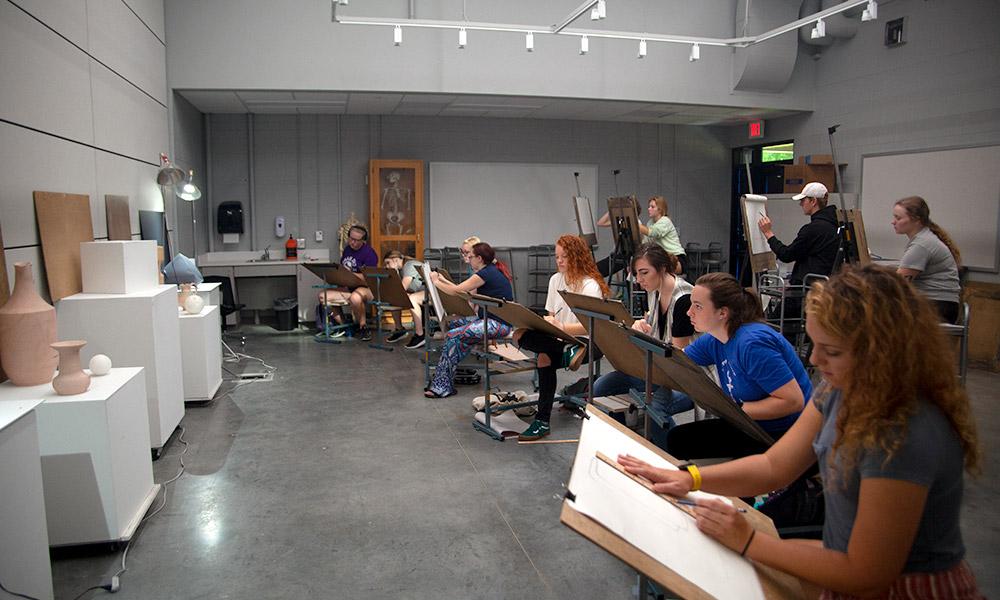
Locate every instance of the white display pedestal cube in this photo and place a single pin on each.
(118, 267)
(201, 354)
(139, 329)
(96, 469)
(211, 293)
(24, 563)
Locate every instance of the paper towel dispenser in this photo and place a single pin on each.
(230, 217)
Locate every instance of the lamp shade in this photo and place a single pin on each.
(188, 190)
(168, 173)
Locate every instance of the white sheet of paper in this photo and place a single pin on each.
(425, 272)
(649, 522)
(585, 215)
(756, 207)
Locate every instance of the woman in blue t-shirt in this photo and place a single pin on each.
(892, 432)
(491, 278)
(757, 368)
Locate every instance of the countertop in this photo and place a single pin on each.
(251, 259)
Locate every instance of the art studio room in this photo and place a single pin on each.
(461, 299)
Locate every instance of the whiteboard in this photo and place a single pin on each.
(506, 204)
(961, 186)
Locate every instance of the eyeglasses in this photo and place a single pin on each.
(354, 239)
(465, 253)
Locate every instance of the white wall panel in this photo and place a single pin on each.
(68, 17)
(126, 120)
(44, 80)
(151, 13)
(31, 161)
(120, 40)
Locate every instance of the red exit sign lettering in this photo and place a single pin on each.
(756, 129)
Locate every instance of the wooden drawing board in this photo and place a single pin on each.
(335, 274)
(390, 289)
(453, 304)
(692, 380)
(520, 316)
(613, 308)
(624, 215)
(753, 208)
(614, 341)
(63, 223)
(119, 222)
(775, 584)
(859, 243)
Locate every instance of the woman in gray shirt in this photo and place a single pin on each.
(892, 432)
(931, 258)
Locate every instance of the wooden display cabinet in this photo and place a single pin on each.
(396, 196)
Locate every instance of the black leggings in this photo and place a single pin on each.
(713, 438)
(948, 311)
(543, 343)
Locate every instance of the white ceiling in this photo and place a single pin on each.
(468, 105)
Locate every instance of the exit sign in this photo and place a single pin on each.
(756, 129)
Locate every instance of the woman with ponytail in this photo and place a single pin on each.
(757, 368)
(931, 258)
(492, 278)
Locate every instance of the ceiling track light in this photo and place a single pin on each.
(871, 12)
(397, 35)
(642, 49)
(343, 2)
(695, 53)
(819, 31)
(529, 42)
(602, 9)
(463, 38)
(594, 14)
(584, 44)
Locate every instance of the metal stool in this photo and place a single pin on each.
(713, 261)
(961, 331)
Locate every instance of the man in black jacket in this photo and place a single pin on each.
(814, 249)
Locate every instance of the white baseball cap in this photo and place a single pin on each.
(813, 189)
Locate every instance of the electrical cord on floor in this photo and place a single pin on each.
(114, 585)
(17, 594)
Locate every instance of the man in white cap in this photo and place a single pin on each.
(814, 249)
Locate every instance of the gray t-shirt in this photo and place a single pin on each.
(412, 269)
(938, 278)
(930, 456)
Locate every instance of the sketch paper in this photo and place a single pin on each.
(425, 273)
(584, 216)
(650, 523)
(756, 207)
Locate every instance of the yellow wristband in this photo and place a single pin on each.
(695, 477)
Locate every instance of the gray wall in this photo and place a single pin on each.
(312, 169)
(293, 45)
(188, 135)
(940, 89)
(83, 109)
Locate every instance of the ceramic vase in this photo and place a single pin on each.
(186, 289)
(71, 378)
(27, 328)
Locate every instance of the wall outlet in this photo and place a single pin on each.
(319, 235)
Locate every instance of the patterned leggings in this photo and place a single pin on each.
(463, 334)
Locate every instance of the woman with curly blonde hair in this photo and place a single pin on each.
(892, 432)
(577, 273)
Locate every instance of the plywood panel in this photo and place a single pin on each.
(30, 161)
(63, 222)
(44, 80)
(120, 40)
(119, 223)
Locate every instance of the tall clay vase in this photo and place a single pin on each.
(71, 378)
(27, 328)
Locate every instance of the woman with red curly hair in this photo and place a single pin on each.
(892, 433)
(577, 273)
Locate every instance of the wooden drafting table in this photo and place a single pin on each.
(521, 317)
(335, 274)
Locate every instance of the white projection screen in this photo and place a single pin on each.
(507, 204)
(961, 186)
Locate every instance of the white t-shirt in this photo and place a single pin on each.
(555, 304)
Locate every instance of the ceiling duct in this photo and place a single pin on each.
(767, 66)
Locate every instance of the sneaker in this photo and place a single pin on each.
(536, 431)
(579, 388)
(339, 333)
(365, 334)
(573, 357)
(416, 342)
(395, 336)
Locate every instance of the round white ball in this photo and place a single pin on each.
(100, 365)
(194, 304)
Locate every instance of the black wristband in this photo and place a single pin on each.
(753, 532)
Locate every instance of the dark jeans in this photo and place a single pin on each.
(667, 401)
(948, 311)
(713, 438)
(542, 343)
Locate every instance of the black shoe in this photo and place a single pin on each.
(395, 336)
(365, 334)
(576, 389)
(416, 342)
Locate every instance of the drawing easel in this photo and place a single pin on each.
(754, 207)
(445, 305)
(857, 241)
(594, 309)
(584, 215)
(624, 215)
(334, 277)
(650, 347)
(773, 584)
(388, 285)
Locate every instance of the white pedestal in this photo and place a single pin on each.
(211, 293)
(96, 468)
(201, 354)
(24, 563)
(136, 330)
(118, 267)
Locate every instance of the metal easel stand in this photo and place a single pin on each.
(577, 401)
(485, 427)
(650, 348)
(324, 337)
(379, 311)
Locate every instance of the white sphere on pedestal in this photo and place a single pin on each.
(100, 364)
(194, 304)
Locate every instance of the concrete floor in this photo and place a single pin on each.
(340, 480)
